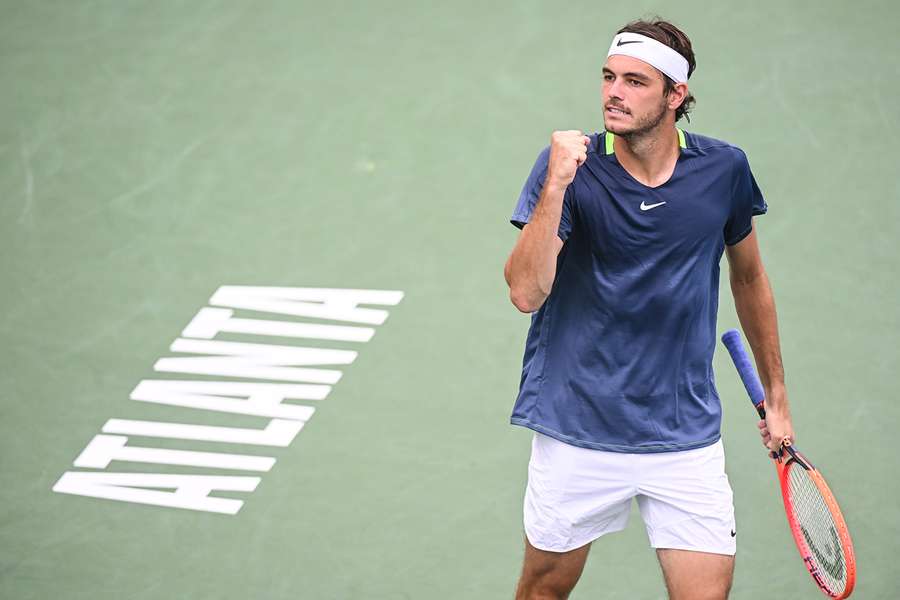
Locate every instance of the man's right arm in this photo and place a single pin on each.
(531, 267)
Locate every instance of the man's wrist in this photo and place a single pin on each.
(555, 187)
(776, 397)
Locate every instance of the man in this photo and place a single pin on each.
(618, 259)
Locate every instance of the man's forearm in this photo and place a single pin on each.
(531, 267)
(755, 307)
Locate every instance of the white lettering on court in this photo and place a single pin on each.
(190, 491)
(292, 376)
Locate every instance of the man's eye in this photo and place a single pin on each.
(635, 82)
(607, 78)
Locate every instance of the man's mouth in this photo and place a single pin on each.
(614, 110)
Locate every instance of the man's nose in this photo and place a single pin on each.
(614, 90)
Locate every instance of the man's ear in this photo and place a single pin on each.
(677, 95)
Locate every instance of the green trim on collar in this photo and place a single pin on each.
(610, 138)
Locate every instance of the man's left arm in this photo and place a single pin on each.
(756, 311)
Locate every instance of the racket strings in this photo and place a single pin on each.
(818, 528)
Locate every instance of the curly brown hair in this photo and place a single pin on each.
(666, 33)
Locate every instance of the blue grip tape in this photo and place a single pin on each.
(732, 341)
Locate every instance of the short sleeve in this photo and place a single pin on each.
(746, 201)
(531, 192)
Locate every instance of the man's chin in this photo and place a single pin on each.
(616, 129)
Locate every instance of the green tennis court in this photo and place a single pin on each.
(165, 161)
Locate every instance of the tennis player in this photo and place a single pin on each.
(618, 260)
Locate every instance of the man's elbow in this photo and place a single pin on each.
(507, 271)
(526, 303)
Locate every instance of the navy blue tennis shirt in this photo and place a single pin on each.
(619, 356)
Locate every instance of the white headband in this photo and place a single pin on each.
(655, 54)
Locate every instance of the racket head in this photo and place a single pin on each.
(817, 525)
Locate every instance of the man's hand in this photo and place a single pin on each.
(776, 428)
(568, 151)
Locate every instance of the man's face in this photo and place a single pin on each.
(633, 100)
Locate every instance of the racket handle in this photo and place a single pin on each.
(732, 341)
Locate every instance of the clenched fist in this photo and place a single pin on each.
(568, 151)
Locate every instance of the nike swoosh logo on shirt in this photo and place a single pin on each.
(623, 42)
(649, 206)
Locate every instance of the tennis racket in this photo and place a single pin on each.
(813, 514)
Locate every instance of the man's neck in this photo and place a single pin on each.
(649, 158)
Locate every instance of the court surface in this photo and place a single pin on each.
(152, 153)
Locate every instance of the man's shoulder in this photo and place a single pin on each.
(705, 142)
(713, 148)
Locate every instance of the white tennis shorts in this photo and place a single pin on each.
(576, 495)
